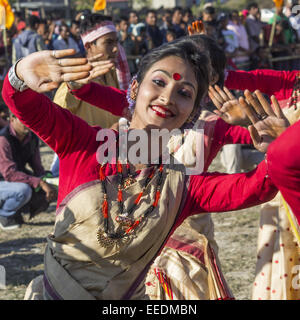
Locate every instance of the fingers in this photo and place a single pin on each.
(95, 58)
(75, 76)
(256, 139)
(216, 95)
(254, 102)
(104, 64)
(222, 93)
(58, 54)
(190, 30)
(266, 106)
(251, 114)
(277, 110)
(198, 27)
(67, 62)
(213, 98)
(75, 69)
(229, 94)
(45, 87)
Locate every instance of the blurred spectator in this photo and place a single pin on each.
(209, 15)
(176, 22)
(155, 37)
(227, 38)
(20, 186)
(166, 23)
(140, 36)
(28, 41)
(187, 16)
(170, 35)
(235, 25)
(123, 29)
(127, 40)
(253, 26)
(132, 20)
(75, 35)
(64, 41)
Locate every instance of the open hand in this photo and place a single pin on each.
(228, 106)
(197, 27)
(267, 124)
(44, 70)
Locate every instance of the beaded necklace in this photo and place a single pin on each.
(104, 236)
(295, 94)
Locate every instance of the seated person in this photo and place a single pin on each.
(19, 186)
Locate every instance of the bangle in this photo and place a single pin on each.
(15, 82)
(73, 85)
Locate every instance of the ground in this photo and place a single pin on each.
(21, 251)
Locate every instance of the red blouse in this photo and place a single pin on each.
(75, 143)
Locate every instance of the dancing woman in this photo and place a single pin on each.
(112, 219)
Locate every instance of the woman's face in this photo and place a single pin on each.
(162, 101)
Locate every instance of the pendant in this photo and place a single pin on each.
(108, 240)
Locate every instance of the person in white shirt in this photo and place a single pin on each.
(239, 29)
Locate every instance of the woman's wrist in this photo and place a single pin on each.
(73, 85)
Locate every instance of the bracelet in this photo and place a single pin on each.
(73, 85)
(14, 81)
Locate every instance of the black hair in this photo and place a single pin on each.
(210, 10)
(89, 21)
(216, 53)
(189, 51)
(77, 23)
(124, 18)
(132, 11)
(177, 9)
(252, 5)
(150, 11)
(165, 11)
(233, 12)
(33, 21)
(63, 25)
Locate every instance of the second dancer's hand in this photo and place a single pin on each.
(265, 127)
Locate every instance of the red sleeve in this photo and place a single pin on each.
(283, 158)
(216, 192)
(270, 82)
(56, 126)
(229, 134)
(107, 98)
(8, 167)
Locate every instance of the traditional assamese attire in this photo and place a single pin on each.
(194, 239)
(76, 265)
(278, 239)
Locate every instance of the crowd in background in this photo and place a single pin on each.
(247, 42)
(242, 34)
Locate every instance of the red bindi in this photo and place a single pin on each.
(176, 76)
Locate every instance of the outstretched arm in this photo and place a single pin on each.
(216, 192)
(42, 71)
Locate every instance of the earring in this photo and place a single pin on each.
(133, 95)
